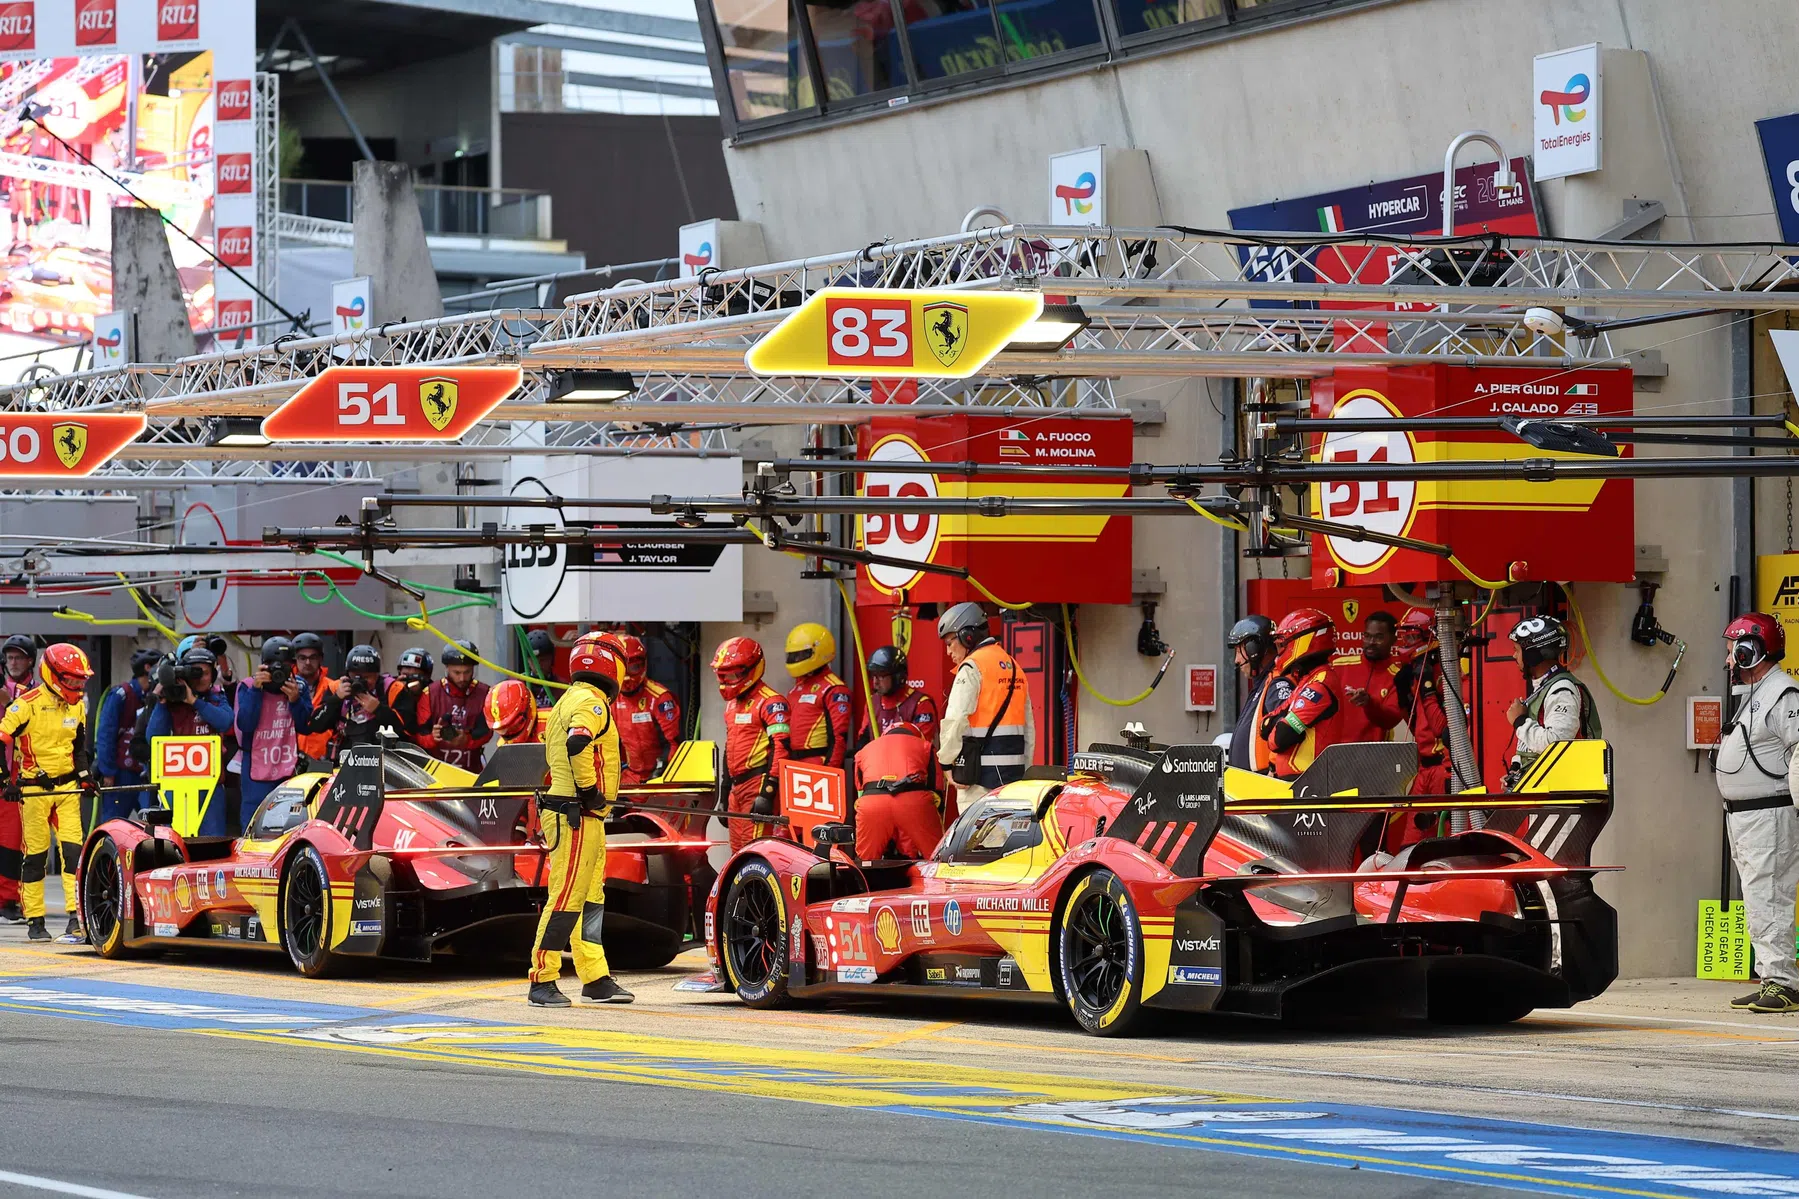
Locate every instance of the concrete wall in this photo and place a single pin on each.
(1330, 103)
(424, 107)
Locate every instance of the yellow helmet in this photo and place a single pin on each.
(810, 647)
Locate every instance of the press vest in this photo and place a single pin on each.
(1002, 757)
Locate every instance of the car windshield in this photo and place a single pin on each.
(991, 828)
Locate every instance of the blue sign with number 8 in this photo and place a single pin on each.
(1780, 147)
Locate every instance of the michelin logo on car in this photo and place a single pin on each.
(1196, 976)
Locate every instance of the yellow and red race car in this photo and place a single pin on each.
(393, 855)
(1159, 879)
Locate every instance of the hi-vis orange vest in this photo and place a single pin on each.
(1002, 757)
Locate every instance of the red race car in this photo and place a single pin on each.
(394, 855)
(1160, 879)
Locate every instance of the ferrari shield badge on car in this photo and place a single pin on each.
(71, 444)
(437, 399)
(946, 330)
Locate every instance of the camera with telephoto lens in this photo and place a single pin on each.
(358, 685)
(171, 682)
(278, 660)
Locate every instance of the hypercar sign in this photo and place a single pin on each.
(67, 445)
(873, 333)
(397, 403)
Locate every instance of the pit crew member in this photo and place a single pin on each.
(1251, 642)
(988, 735)
(1311, 719)
(45, 733)
(756, 736)
(1371, 683)
(649, 719)
(897, 701)
(1559, 707)
(819, 703)
(899, 789)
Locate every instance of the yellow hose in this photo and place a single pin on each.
(1474, 578)
(422, 624)
(868, 692)
(1593, 657)
(150, 616)
(1074, 658)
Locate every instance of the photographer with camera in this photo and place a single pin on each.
(412, 702)
(458, 711)
(272, 707)
(190, 703)
(114, 762)
(359, 707)
(309, 668)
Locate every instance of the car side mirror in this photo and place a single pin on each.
(155, 817)
(826, 835)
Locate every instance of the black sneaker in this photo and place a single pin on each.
(1745, 1002)
(548, 995)
(74, 934)
(1776, 997)
(35, 930)
(606, 990)
(11, 913)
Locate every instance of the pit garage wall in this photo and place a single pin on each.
(1333, 102)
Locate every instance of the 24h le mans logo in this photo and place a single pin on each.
(437, 398)
(70, 442)
(946, 330)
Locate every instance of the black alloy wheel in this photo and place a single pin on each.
(103, 900)
(306, 915)
(1100, 953)
(755, 934)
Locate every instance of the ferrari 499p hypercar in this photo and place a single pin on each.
(1161, 879)
(393, 855)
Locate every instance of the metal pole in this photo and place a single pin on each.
(331, 90)
(1742, 487)
(1229, 602)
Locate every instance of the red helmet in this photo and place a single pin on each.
(637, 660)
(1416, 635)
(65, 671)
(511, 711)
(905, 726)
(596, 660)
(1757, 626)
(1303, 633)
(738, 665)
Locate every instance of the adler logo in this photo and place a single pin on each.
(18, 25)
(96, 22)
(234, 100)
(234, 174)
(177, 22)
(234, 245)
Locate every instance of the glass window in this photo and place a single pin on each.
(1040, 28)
(952, 37)
(283, 809)
(858, 49)
(764, 58)
(1154, 16)
(989, 830)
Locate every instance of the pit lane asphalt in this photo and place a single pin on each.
(153, 1111)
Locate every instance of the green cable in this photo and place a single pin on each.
(333, 592)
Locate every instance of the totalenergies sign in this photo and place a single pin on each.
(876, 333)
(1565, 530)
(1023, 558)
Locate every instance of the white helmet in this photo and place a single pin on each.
(967, 620)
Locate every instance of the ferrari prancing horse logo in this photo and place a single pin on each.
(946, 330)
(437, 399)
(71, 443)
(1351, 609)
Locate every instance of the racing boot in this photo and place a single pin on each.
(1776, 997)
(73, 934)
(548, 994)
(10, 912)
(35, 930)
(606, 990)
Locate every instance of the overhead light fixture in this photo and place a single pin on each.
(1053, 329)
(237, 432)
(1559, 436)
(592, 387)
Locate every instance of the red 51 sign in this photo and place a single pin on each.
(810, 796)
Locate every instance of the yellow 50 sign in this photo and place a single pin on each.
(880, 334)
(185, 771)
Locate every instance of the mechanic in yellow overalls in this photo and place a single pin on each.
(581, 746)
(46, 731)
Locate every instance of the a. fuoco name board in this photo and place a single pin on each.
(1078, 559)
(1575, 530)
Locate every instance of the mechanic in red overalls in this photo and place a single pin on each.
(457, 704)
(648, 718)
(1421, 691)
(19, 655)
(1371, 683)
(756, 736)
(819, 704)
(512, 712)
(1311, 719)
(899, 788)
(896, 700)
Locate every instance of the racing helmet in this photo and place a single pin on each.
(889, 660)
(66, 671)
(416, 659)
(637, 660)
(1416, 634)
(460, 653)
(903, 726)
(967, 621)
(1304, 635)
(738, 665)
(810, 647)
(19, 643)
(542, 645)
(1542, 638)
(362, 659)
(1754, 636)
(511, 710)
(1256, 632)
(144, 660)
(598, 663)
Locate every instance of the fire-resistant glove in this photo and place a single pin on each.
(768, 799)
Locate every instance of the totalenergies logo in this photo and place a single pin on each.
(351, 314)
(1077, 196)
(698, 258)
(1561, 104)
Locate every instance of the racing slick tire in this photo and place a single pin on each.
(102, 900)
(305, 915)
(753, 932)
(1099, 955)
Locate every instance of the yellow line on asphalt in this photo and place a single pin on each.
(1074, 1049)
(922, 1031)
(433, 993)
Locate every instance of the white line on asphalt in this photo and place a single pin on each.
(1739, 1025)
(63, 1188)
(1521, 1094)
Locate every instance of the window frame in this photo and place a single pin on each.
(721, 73)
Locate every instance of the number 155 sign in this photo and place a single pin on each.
(870, 333)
